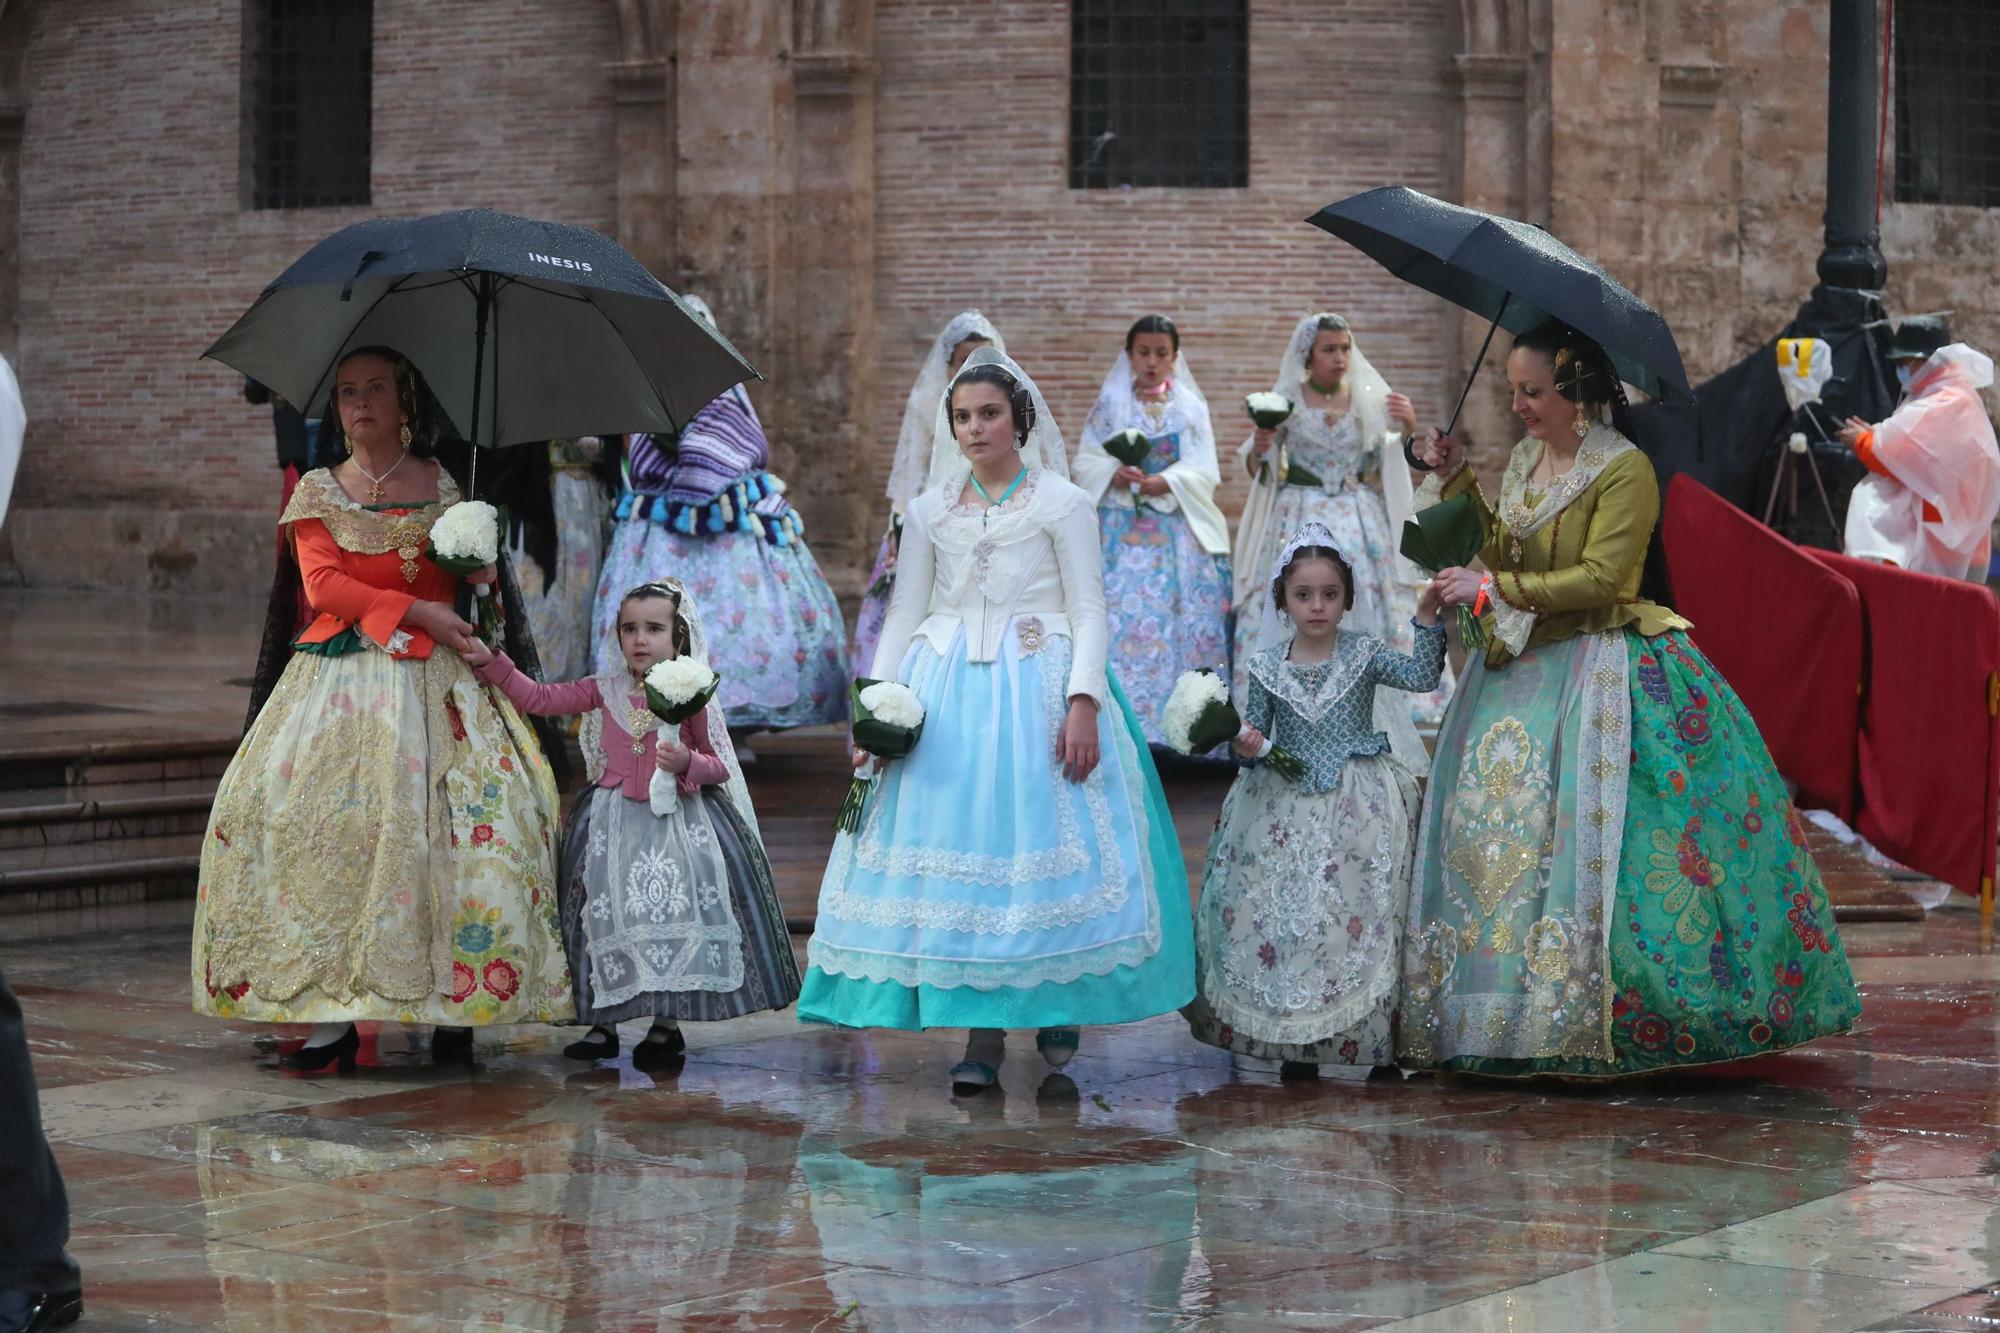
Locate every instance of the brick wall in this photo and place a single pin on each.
(135, 252)
(973, 209)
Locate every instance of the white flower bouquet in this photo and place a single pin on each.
(888, 721)
(1200, 717)
(1268, 411)
(466, 538)
(676, 690)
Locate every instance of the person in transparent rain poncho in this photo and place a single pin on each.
(1019, 868)
(961, 335)
(669, 915)
(1335, 461)
(1166, 544)
(1298, 933)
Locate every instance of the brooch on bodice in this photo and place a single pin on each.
(1032, 634)
(408, 536)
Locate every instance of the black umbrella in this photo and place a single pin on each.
(524, 330)
(1515, 274)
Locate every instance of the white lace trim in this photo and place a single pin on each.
(966, 974)
(1511, 625)
(1601, 444)
(1276, 672)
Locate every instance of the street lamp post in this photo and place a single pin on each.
(1852, 253)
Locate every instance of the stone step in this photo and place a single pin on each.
(153, 810)
(101, 874)
(106, 763)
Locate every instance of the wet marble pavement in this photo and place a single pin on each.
(794, 1178)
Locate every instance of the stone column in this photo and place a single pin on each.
(1501, 165)
(832, 279)
(642, 84)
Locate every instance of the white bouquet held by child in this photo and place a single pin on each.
(1200, 717)
(676, 690)
(888, 721)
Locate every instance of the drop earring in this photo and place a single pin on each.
(1580, 423)
(404, 434)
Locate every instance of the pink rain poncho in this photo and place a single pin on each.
(1933, 488)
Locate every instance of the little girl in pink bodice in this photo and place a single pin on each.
(665, 916)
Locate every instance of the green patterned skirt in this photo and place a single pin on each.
(1610, 875)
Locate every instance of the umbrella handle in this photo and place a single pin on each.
(1465, 392)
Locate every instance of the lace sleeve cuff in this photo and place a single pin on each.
(1511, 625)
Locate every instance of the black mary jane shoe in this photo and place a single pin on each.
(596, 1046)
(314, 1059)
(451, 1046)
(34, 1311)
(659, 1052)
(1298, 1070)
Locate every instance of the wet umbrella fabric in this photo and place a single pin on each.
(524, 330)
(1515, 274)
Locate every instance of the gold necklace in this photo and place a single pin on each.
(374, 482)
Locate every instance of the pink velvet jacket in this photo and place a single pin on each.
(630, 772)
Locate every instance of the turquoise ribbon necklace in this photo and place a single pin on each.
(1005, 496)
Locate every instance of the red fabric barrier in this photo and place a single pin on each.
(1785, 631)
(1929, 753)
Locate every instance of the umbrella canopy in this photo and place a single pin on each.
(1515, 274)
(524, 330)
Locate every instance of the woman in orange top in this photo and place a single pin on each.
(382, 845)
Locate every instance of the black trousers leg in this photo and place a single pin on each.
(34, 1211)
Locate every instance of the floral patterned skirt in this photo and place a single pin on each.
(774, 628)
(1299, 927)
(382, 847)
(1611, 878)
(1167, 601)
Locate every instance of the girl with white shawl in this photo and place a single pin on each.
(1019, 867)
(1335, 461)
(964, 332)
(1165, 543)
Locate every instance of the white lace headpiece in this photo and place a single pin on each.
(1116, 392)
(1367, 390)
(913, 443)
(1311, 534)
(1042, 449)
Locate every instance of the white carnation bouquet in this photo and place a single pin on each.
(888, 721)
(466, 538)
(1200, 717)
(676, 690)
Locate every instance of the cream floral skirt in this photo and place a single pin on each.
(382, 847)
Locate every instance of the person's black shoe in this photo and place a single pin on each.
(1298, 1069)
(601, 1044)
(663, 1046)
(34, 1311)
(313, 1059)
(451, 1046)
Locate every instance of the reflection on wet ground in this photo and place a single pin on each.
(787, 1177)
